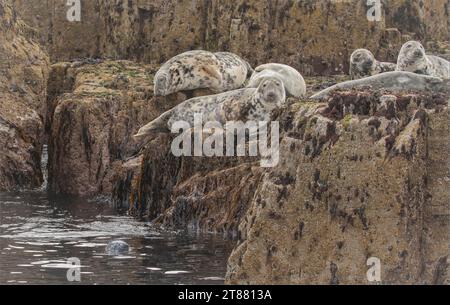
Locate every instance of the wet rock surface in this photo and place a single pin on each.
(23, 78)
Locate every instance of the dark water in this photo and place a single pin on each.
(38, 234)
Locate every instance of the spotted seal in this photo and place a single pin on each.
(247, 104)
(413, 58)
(396, 81)
(293, 81)
(363, 64)
(117, 247)
(199, 69)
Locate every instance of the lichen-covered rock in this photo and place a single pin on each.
(317, 37)
(94, 109)
(23, 78)
(358, 187)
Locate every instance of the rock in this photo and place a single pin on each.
(361, 191)
(23, 78)
(94, 109)
(117, 247)
(313, 43)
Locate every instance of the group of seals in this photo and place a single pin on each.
(412, 58)
(238, 105)
(226, 74)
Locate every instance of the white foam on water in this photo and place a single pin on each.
(176, 272)
(153, 269)
(62, 266)
(90, 245)
(16, 247)
(212, 278)
(124, 257)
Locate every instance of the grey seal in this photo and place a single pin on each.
(117, 247)
(200, 69)
(363, 64)
(245, 104)
(413, 58)
(293, 81)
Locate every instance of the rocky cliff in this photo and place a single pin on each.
(23, 81)
(317, 37)
(362, 174)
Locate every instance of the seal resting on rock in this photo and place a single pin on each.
(394, 81)
(255, 104)
(293, 81)
(363, 64)
(412, 58)
(117, 247)
(192, 70)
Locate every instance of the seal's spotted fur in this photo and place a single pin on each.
(191, 70)
(363, 64)
(248, 104)
(412, 58)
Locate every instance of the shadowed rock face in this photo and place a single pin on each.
(317, 36)
(23, 77)
(94, 109)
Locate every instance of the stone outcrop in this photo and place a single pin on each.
(362, 183)
(317, 37)
(94, 109)
(23, 80)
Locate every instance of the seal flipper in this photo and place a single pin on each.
(158, 125)
(216, 80)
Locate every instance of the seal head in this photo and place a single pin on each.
(362, 63)
(117, 247)
(162, 83)
(412, 58)
(271, 93)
